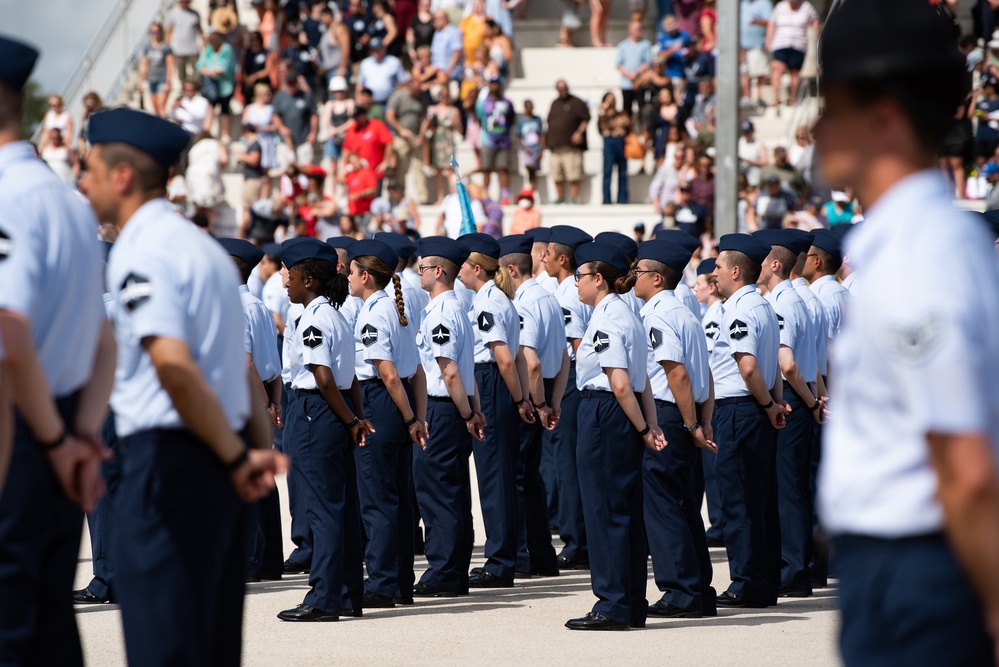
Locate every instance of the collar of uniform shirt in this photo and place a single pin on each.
(741, 292)
(149, 213)
(657, 298)
(781, 287)
(443, 296)
(524, 286)
(14, 152)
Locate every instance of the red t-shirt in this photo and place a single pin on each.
(369, 142)
(358, 181)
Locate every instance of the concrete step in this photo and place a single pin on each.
(592, 219)
(576, 66)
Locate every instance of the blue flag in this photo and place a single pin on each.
(467, 219)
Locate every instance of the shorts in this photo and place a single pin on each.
(155, 87)
(792, 58)
(566, 164)
(332, 150)
(957, 141)
(251, 191)
(495, 159)
(756, 64)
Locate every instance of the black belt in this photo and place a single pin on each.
(600, 393)
(371, 381)
(734, 400)
(439, 399)
(671, 404)
(486, 365)
(308, 392)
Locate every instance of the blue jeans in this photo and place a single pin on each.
(614, 156)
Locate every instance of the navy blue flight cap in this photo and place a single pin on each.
(17, 59)
(569, 236)
(828, 241)
(680, 238)
(751, 247)
(402, 244)
(482, 244)
(272, 249)
(374, 248)
(539, 234)
(341, 242)
(517, 244)
(671, 254)
(795, 240)
(603, 252)
(442, 246)
(160, 139)
(625, 244)
(844, 229)
(307, 248)
(707, 266)
(244, 250)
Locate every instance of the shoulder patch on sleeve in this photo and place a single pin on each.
(5, 245)
(312, 337)
(915, 342)
(601, 342)
(521, 321)
(135, 291)
(441, 335)
(566, 315)
(780, 321)
(738, 330)
(655, 338)
(486, 321)
(369, 335)
(711, 330)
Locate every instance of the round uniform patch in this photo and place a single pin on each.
(441, 335)
(601, 341)
(655, 338)
(369, 335)
(312, 337)
(738, 330)
(566, 315)
(135, 291)
(486, 321)
(711, 330)
(5, 245)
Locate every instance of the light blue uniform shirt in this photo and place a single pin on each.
(575, 314)
(379, 336)
(614, 338)
(686, 295)
(50, 266)
(494, 320)
(275, 296)
(350, 308)
(445, 332)
(633, 301)
(171, 280)
(795, 327)
(416, 300)
(260, 340)
(820, 323)
(326, 340)
(541, 325)
(255, 284)
(914, 357)
(848, 282)
(550, 283)
(711, 322)
(463, 294)
(749, 326)
(291, 349)
(673, 334)
(833, 298)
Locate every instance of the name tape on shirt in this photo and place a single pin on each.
(601, 342)
(486, 321)
(312, 337)
(5, 245)
(738, 330)
(441, 335)
(369, 335)
(135, 291)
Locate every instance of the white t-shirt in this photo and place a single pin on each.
(791, 26)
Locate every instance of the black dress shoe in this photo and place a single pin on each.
(544, 572)
(488, 580)
(790, 592)
(253, 580)
(595, 621)
(715, 542)
(291, 567)
(86, 596)
(663, 609)
(374, 600)
(427, 591)
(569, 564)
(304, 612)
(729, 599)
(355, 613)
(476, 570)
(404, 601)
(521, 575)
(270, 576)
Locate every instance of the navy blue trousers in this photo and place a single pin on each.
(444, 493)
(673, 522)
(301, 533)
(746, 474)
(384, 485)
(39, 544)
(794, 498)
(534, 550)
(547, 469)
(266, 541)
(571, 527)
(321, 449)
(180, 552)
(610, 457)
(716, 530)
(496, 471)
(819, 566)
(614, 157)
(101, 522)
(907, 602)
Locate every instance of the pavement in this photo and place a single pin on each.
(516, 626)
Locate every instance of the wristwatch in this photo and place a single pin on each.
(767, 406)
(693, 427)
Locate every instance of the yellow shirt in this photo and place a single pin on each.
(473, 29)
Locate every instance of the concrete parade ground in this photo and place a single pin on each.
(522, 625)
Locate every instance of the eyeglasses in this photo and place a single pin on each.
(578, 276)
(644, 271)
(423, 267)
